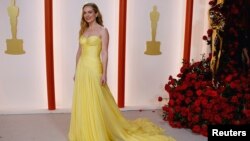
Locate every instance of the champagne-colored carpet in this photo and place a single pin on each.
(54, 126)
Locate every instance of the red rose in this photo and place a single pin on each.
(189, 93)
(194, 75)
(206, 115)
(247, 113)
(213, 93)
(197, 109)
(178, 124)
(209, 32)
(233, 85)
(228, 78)
(195, 118)
(184, 86)
(167, 88)
(177, 108)
(196, 129)
(197, 85)
(197, 103)
(204, 37)
(234, 99)
(211, 2)
(171, 102)
(183, 68)
(170, 77)
(199, 92)
(165, 108)
(217, 119)
(204, 102)
(179, 75)
(187, 100)
(172, 81)
(159, 98)
(175, 124)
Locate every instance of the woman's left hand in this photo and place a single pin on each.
(103, 79)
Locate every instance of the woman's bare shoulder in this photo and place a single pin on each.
(104, 31)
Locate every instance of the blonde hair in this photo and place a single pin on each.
(84, 25)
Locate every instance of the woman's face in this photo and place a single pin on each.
(89, 14)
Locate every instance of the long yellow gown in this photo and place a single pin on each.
(95, 115)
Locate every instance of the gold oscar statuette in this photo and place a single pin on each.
(217, 22)
(153, 46)
(14, 45)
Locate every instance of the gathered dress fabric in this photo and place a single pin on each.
(95, 115)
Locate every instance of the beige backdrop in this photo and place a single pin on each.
(23, 79)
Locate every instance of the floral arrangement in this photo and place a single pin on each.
(195, 102)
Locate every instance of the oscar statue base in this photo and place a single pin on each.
(153, 48)
(14, 46)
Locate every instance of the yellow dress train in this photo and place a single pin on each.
(95, 115)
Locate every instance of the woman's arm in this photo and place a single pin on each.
(104, 55)
(78, 54)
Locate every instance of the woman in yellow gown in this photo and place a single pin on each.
(95, 115)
